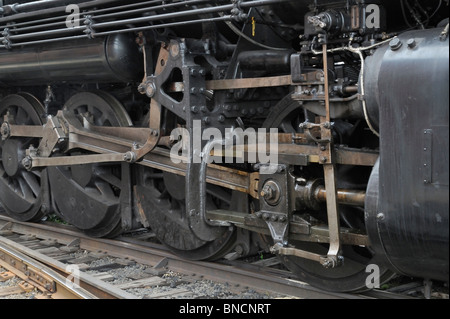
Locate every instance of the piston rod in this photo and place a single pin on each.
(344, 196)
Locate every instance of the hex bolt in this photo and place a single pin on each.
(129, 157)
(175, 50)
(193, 72)
(5, 130)
(411, 43)
(154, 133)
(194, 109)
(27, 163)
(329, 263)
(267, 192)
(395, 44)
(150, 90)
(271, 192)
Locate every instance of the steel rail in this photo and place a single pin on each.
(151, 254)
(38, 273)
(88, 287)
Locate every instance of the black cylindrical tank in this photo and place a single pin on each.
(407, 203)
(115, 58)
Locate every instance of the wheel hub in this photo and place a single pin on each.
(12, 155)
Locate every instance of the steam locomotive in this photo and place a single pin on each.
(316, 130)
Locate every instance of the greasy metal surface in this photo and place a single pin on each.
(344, 196)
(297, 230)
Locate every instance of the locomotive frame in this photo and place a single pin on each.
(90, 111)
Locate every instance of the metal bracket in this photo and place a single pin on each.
(327, 159)
(275, 203)
(54, 137)
(149, 87)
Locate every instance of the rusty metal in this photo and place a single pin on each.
(31, 162)
(311, 78)
(327, 159)
(252, 276)
(312, 193)
(298, 230)
(105, 140)
(290, 153)
(344, 196)
(249, 83)
(39, 275)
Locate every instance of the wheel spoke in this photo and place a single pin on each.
(21, 116)
(32, 182)
(107, 176)
(26, 190)
(104, 189)
(166, 213)
(22, 191)
(97, 186)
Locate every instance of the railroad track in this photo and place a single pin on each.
(57, 261)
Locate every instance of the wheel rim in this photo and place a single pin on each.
(21, 192)
(351, 276)
(88, 196)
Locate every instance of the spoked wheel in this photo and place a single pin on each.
(161, 195)
(88, 196)
(21, 192)
(352, 275)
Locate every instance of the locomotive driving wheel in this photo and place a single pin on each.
(22, 192)
(162, 198)
(352, 275)
(88, 196)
